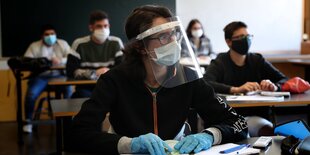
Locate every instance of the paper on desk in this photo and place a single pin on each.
(189, 62)
(254, 98)
(215, 150)
(272, 93)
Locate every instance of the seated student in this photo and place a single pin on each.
(199, 41)
(150, 94)
(54, 49)
(95, 54)
(238, 71)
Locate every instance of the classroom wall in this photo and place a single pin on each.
(0, 33)
(22, 20)
(307, 17)
(277, 25)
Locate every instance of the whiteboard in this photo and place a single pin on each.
(277, 25)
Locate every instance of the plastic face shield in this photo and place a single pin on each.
(163, 45)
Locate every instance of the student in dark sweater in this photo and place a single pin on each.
(238, 71)
(150, 95)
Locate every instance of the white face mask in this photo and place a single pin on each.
(101, 34)
(197, 33)
(168, 55)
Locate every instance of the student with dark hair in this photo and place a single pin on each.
(239, 71)
(200, 43)
(54, 49)
(95, 54)
(148, 96)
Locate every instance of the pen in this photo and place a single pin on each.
(239, 152)
(233, 149)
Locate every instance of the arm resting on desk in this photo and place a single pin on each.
(74, 71)
(217, 114)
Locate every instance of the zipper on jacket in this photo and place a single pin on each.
(155, 113)
(155, 120)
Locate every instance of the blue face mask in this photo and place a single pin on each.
(50, 39)
(168, 55)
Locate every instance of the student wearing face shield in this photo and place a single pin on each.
(54, 49)
(239, 71)
(94, 54)
(150, 95)
(200, 43)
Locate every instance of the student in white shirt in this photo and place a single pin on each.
(56, 50)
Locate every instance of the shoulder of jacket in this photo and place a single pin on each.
(205, 38)
(114, 38)
(82, 39)
(79, 41)
(256, 56)
(61, 41)
(114, 74)
(221, 59)
(221, 56)
(37, 43)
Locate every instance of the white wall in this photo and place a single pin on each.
(275, 24)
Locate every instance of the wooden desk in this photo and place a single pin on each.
(58, 67)
(300, 61)
(285, 57)
(67, 81)
(67, 107)
(56, 82)
(304, 63)
(294, 100)
(64, 110)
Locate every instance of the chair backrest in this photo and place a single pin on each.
(258, 126)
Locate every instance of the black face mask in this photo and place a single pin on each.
(241, 46)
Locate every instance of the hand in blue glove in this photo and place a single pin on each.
(195, 142)
(149, 143)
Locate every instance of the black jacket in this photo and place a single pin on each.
(223, 73)
(131, 112)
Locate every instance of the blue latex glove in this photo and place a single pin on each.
(196, 142)
(149, 143)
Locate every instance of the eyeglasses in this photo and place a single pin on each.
(249, 36)
(167, 37)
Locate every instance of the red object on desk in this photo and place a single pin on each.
(296, 85)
